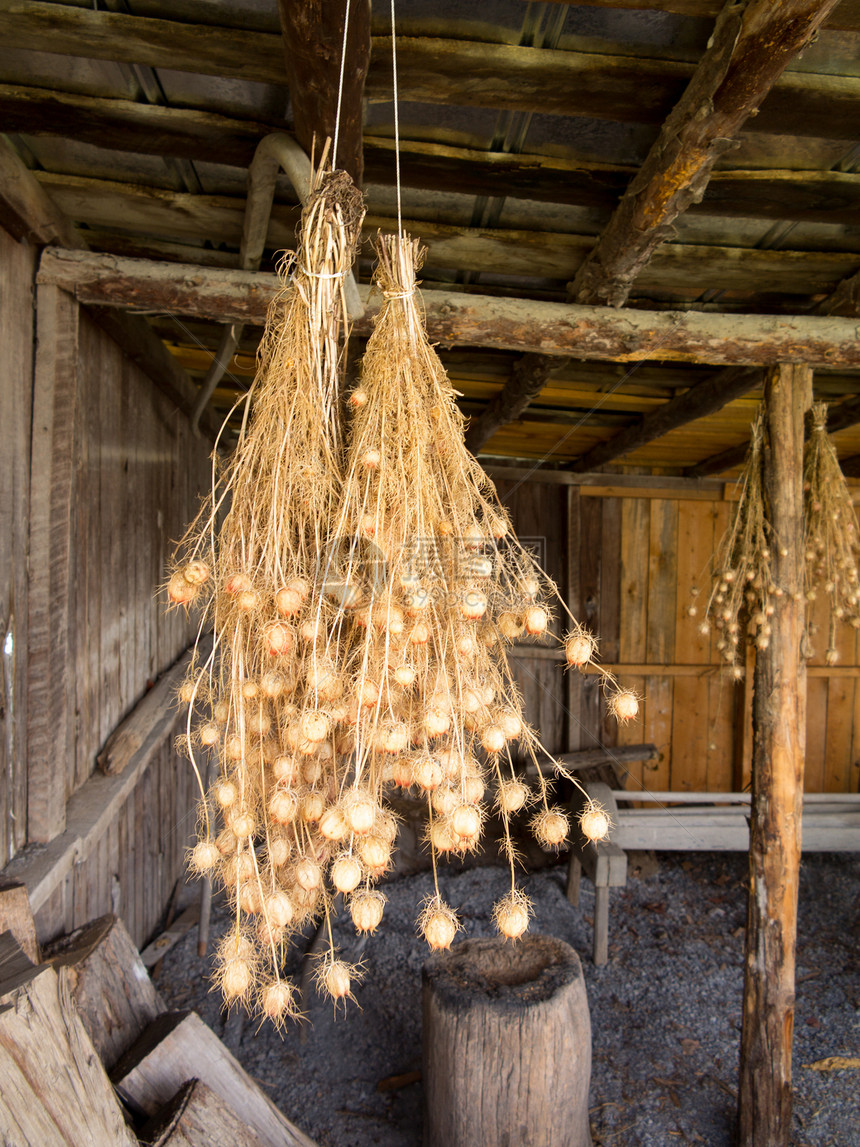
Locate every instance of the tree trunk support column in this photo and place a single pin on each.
(779, 723)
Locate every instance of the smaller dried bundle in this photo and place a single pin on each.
(830, 535)
(743, 593)
(743, 590)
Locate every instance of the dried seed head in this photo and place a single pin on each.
(510, 723)
(624, 705)
(313, 807)
(333, 824)
(594, 822)
(358, 398)
(427, 773)
(333, 978)
(235, 977)
(346, 873)
(180, 591)
(493, 739)
(204, 856)
(437, 923)
(278, 1002)
(278, 638)
(226, 794)
(366, 908)
(404, 675)
(473, 605)
(444, 801)
(285, 770)
(512, 796)
(550, 827)
(196, 572)
(280, 850)
(243, 825)
(375, 853)
(466, 822)
(510, 626)
(360, 811)
(536, 620)
(511, 914)
(279, 909)
(579, 649)
(308, 875)
(283, 806)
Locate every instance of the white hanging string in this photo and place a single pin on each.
(396, 121)
(340, 87)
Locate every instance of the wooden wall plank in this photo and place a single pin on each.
(816, 733)
(17, 268)
(51, 719)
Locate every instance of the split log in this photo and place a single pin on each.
(55, 1091)
(779, 724)
(17, 918)
(506, 1045)
(107, 980)
(178, 1046)
(197, 1117)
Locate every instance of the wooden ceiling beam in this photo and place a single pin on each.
(845, 18)
(26, 209)
(752, 44)
(529, 376)
(190, 133)
(313, 32)
(699, 401)
(433, 70)
(456, 319)
(677, 267)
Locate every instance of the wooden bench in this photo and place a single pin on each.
(682, 821)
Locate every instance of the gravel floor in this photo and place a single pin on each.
(665, 1010)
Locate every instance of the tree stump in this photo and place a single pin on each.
(506, 1045)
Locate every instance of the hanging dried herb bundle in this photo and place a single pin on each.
(830, 532)
(361, 601)
(248, 562)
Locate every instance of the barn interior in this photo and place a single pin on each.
(636, 213)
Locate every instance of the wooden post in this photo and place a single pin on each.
(779, 721)
(506, 1045)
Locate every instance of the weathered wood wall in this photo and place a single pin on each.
(632, 558)
(115, 479)
(133, 868)
(17, 264)
(99, 476)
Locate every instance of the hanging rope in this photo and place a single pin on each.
(396, 121)
(340, 86)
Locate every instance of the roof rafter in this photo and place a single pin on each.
(752, 44)
(528, 378)
(700, 400)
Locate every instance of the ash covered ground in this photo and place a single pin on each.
(665, 1010)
